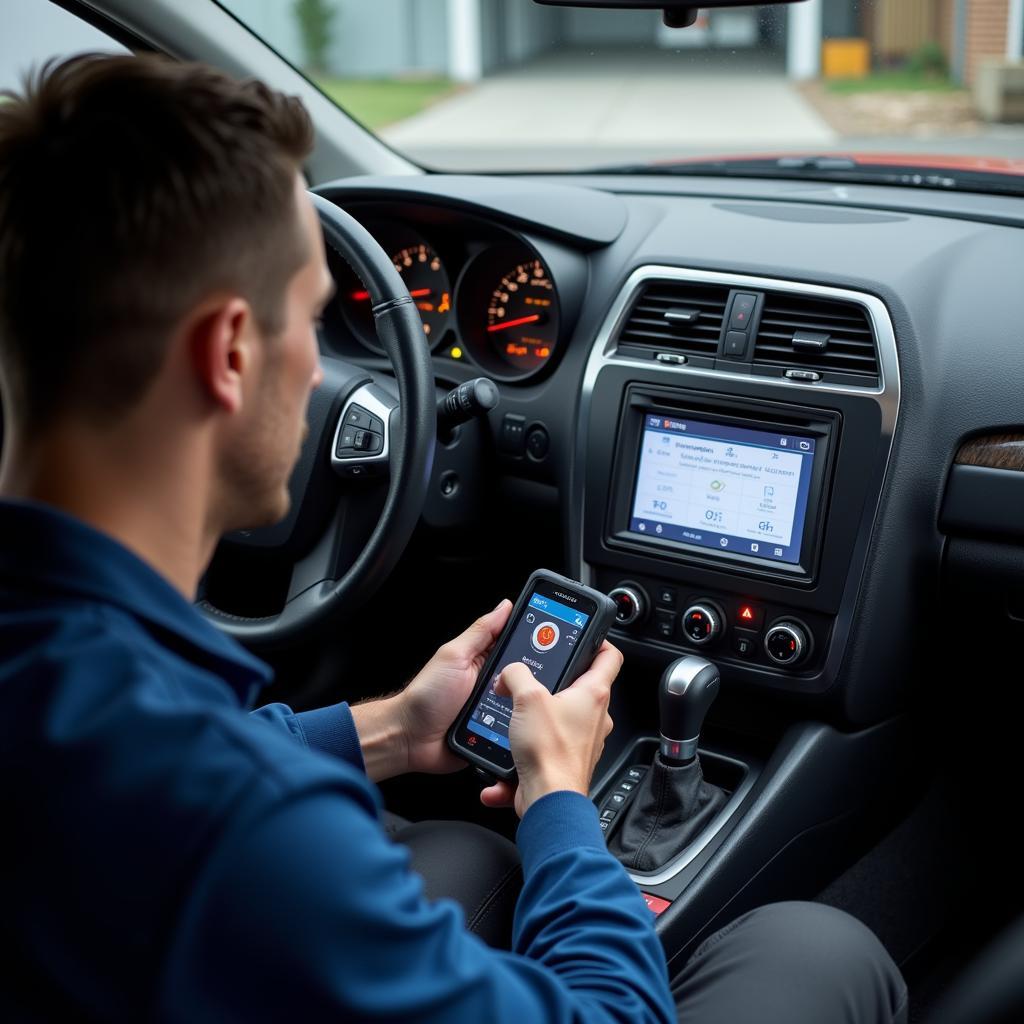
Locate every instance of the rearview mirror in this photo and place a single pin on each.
(676, 15)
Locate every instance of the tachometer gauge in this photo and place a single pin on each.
(522, 318)
(428, 284)
(425, 276)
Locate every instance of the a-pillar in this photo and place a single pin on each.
(803, 39)
(465, 56)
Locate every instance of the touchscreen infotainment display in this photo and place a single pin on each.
(723, 487)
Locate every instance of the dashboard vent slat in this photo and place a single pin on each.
(851, 342)
(647, 324)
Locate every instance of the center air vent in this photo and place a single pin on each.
(676, 316)
(809, 333)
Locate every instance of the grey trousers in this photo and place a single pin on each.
(791, 963)
(784, 963)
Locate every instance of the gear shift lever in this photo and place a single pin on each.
(673, 803)
(688, 688)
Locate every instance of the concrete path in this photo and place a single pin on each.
(581, 108)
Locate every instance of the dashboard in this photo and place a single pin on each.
(749, 399)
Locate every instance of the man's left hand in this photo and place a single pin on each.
(429, 704)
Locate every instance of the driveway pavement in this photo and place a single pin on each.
(581, 108)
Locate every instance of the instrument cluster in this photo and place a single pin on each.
(491, 301)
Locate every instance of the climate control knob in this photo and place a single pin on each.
(786, 643)
(630, 603)
(702, 623)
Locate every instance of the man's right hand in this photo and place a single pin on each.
(556, 740)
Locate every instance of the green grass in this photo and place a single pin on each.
(892, 81)
(378, 102)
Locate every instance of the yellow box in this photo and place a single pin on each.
(845, 58)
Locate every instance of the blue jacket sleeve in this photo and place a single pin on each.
(313, 913)
(330, 730)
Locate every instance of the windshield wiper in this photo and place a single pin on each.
(832, 168)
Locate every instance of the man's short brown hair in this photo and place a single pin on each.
(130, 188)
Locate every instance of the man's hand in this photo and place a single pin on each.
(556, 740)
(429, 704)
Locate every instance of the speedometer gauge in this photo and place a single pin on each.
(507, 306)
(520, 320)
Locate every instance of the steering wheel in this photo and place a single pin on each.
(359, 428)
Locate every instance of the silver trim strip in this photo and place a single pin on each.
(374, 400)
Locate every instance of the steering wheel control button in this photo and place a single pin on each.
(361, 445)
(702, 623)
(786, 643)
(630, 603)
(538, 442)
(744, 644)
(357, 416)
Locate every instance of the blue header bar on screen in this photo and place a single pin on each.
(558, 610)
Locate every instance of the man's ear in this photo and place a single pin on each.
(220, 341)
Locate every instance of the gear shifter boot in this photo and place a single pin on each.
(672, 807)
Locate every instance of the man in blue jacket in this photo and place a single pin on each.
(168, 856)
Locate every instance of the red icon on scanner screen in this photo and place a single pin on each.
(545, 636)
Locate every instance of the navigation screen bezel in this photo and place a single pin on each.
(820, 425)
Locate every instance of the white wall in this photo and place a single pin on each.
(31, 31)
(378, 39)
(592, 27)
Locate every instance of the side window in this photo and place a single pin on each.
(35, 30)
(32, 32)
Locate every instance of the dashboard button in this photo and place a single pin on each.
(665, 623)
(666, 597)
(538, 442)
(749, 616)
(513, 434)
(736, 344)
(744, 644)
(742, 311)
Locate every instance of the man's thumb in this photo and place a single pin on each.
(515, 681)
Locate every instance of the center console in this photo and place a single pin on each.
(727, 503)
(733, 438)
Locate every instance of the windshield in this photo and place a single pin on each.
(510, 85)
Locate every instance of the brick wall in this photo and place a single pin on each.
(987, 22)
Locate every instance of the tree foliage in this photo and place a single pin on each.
(316, 26)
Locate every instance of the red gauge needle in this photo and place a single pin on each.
(417, 294)
(533, 318)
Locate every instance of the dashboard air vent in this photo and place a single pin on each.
(811, 333)
(676, 316)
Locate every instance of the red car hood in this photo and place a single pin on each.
(985, 164)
